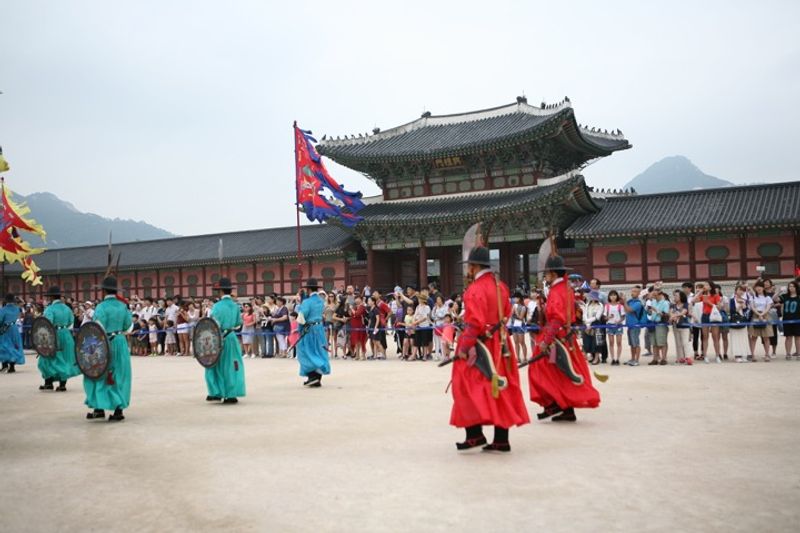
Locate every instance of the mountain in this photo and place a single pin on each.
(675, 173)
(66, 226)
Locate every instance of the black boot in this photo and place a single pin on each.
(62, 386)
(12, 367)
(97, 413)
(5, 367)
(474, 438)
(314, 380)
(500, 443)
(231, 400)
(567, 416)
(550, 410)
(213, 398)
(117, 416)
(48, 384)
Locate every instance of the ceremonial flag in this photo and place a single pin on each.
(12, 247)
(313, 179)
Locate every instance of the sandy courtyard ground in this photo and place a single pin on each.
(706, 448)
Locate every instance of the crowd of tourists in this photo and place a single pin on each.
(693, 322)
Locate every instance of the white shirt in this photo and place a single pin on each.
(531, 309)
(171, 312)
(615, 312)
(88, 315)
(438, 315)
(422, 315)
(149, 312)
(482, 272)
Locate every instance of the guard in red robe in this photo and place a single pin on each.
(477, 401)
(555, 386)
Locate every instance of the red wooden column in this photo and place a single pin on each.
(370, 266)
(445, 271)
(423, 267)
(693, 259)
(507, 264)
(589, 260)
(282, 277)
(255, 279)
(644, 261)
(796, 249)
(743, 274)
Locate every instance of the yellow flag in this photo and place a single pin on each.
(3, 164)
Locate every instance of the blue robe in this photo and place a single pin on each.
(226, 378)
(10, 340)
(62, 365)
(114, 316)
(312, 353)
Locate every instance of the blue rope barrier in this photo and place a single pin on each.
(513, 329)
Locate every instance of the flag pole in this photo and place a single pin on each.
(297, 203)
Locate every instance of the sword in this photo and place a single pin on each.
(602, 378)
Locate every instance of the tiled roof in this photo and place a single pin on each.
(775, 205)
(255, 245)
(571, 191)
(458, 134)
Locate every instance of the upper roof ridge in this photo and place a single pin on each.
(427, 119)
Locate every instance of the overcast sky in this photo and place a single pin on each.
(180, 113)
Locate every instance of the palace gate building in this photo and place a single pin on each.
(517, 169)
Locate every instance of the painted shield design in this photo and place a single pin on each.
(43, 336)
(92, 351)
(207, 342)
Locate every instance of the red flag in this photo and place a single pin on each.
(312, 178)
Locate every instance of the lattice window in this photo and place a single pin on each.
(617, 274)
(668, 270)
(718, 270)
(241, 284)
(86, 288)
(717, 252)
(147, 287)
(294, 275)
(268, 277)
(328, 274)
(617, 258)
(769, 253)
(192, 281)
(169, 286)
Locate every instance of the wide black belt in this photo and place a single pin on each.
(226, 332)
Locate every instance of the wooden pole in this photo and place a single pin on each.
(297, 201)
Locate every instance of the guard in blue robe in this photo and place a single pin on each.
(61, 366)
(225, 380)
(312, 347)
(11, 353)
(113, 390)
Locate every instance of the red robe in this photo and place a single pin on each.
(548, 384)
(473, 403)
(358, 332)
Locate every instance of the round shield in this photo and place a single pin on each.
(207, 342)
(43, 337)
(92, 352)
